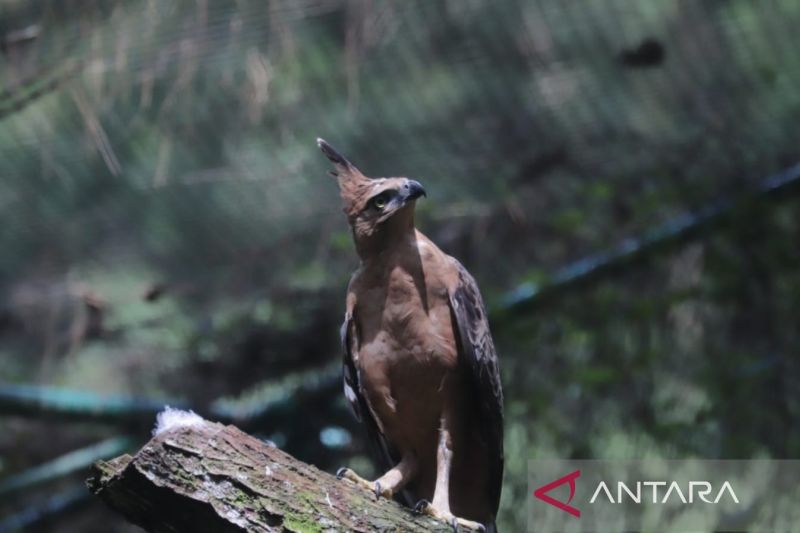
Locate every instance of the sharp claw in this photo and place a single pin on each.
(341, 472)
(420, 506)
(424, 507)
(454, 524)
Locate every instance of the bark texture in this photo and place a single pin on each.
(215, 478)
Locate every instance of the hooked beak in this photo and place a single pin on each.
(413, 190)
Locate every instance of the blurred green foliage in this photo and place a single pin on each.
(168, 228)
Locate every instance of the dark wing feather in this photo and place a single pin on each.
(354, 393)
(477, 350)
(349, 372)
(382, 450)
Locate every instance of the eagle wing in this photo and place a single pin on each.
(382, 450)
(476, 349)
(354, 394)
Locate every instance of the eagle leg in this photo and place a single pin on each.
(346, 473)
(388, 484)
(440, 508)
(425, 507)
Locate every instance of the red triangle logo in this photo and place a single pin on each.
(542, 491)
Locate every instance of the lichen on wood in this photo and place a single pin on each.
(215, 478)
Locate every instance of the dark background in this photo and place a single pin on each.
(619, 175)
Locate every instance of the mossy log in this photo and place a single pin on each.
(208, 477)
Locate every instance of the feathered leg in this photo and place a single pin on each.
(440, 508)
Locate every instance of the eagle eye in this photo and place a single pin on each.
(379, 201)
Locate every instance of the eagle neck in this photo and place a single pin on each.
(396, 235)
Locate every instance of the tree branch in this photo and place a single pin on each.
(206, 477)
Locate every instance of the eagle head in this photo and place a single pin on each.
(373, 205)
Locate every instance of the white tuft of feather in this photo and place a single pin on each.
(171, 418)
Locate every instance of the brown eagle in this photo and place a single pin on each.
(420, 368)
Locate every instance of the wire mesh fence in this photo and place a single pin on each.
(169, 231)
